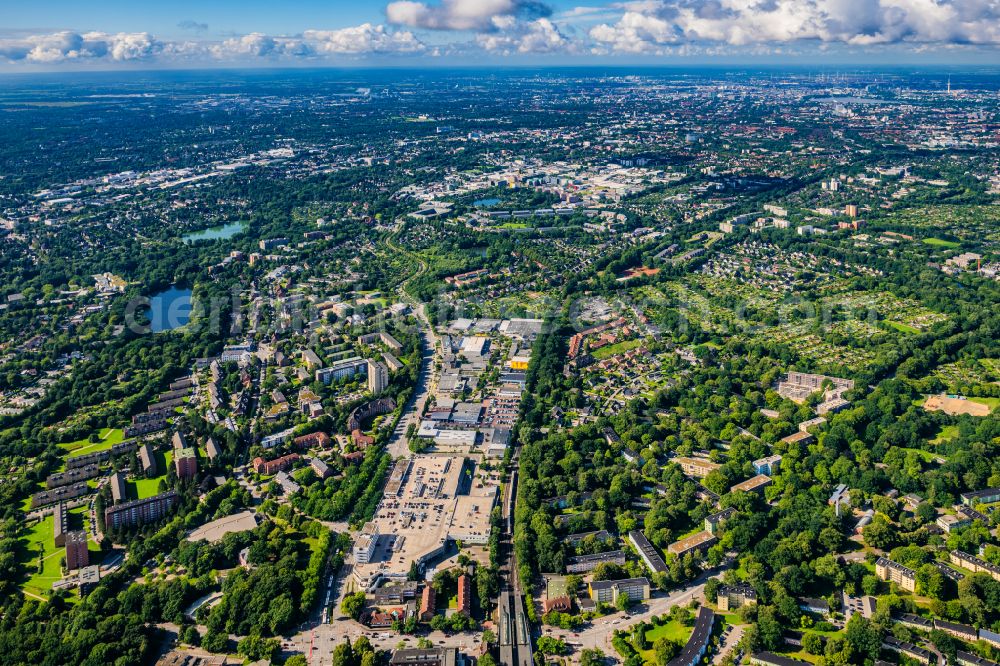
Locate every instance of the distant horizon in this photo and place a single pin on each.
(847, 68)
(111, 34)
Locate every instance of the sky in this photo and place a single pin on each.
(57, 35)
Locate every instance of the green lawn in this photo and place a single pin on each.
(617, 348)
(946, 434)
(940, 242)
(672, 630)
(902, 327)
(992, 403)
(40, 541)
(107, 437)
(143, 488)
(926, 455)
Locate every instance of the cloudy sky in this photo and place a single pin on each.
(103, 34)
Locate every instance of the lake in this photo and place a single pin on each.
(169, 309)
(215, 233)
(485, 203)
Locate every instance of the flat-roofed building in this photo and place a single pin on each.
(696, 467)
(186, 463)
(77, 554)
(753, 485)
(948, 522)
(799, 437)
(378, 377)
(650, 556)
(587, 563)
(140, 512)
(894, 572)
(364, 547)
(342, 369)
(986, 496)
(608, 591)
(696, 543)
(60, 521)
(768, 465)
(443, 656)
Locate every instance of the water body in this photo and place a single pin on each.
(485, 203)
(215, 233)
(169, 309)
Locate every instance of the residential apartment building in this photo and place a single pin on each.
(696, 467)
(732, 597)
(186, 463)
(608, 591)
(974, 564)
(894, 572)
(754, 485)
(140, 512)
(77, 554)
(650, 556)
(378, 377)
(697, 645)
(587, 563)
(696, 543)
(270, 467)
(768, 465)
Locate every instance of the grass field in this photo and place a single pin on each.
(672, 630)
(143, 488)
(39, 538)
(107, 437)
(902, 327)
(927, 456)
(40, 541)
(992, 403)
(940, 242)
(946, 434)
(617, 348)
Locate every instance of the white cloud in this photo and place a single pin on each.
(648, 25)
(365, 38)
(69, 46)
(532, 37)
(480, 15)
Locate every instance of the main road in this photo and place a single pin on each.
(430, 346)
